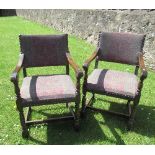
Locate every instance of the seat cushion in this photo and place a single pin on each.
(42, 88)
(113, 82)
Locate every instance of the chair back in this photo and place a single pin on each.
(44, 50)
(120, 47)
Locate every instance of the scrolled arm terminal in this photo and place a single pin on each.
(142, 67)
(90, 59)
(14, 74)
(78, 71)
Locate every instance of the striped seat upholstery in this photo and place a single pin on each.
(53, 87)
(113, 82)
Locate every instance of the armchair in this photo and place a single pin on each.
(40, 51)
(125, 48)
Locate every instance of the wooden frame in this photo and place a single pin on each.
(25, 120)
(131, 110)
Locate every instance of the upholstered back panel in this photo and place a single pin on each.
(44, 50)
(120, 47)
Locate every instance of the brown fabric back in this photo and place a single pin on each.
(120, 47)
(44, 50)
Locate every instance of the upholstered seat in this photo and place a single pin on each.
(114, 82)
(40, 88)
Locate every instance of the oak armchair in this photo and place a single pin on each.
(40, 51)
(125, 48)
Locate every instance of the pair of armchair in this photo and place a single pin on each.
(52, 50)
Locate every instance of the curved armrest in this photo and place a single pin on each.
(17, 69)
(142, 67)
(77, 70)
(92, 57)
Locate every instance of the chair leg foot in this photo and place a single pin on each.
(25, 134)
(77, 127)
(130, 125)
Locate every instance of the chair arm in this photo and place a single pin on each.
(77, 70)
(90, 59)
(142, 67)
(17, 69)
